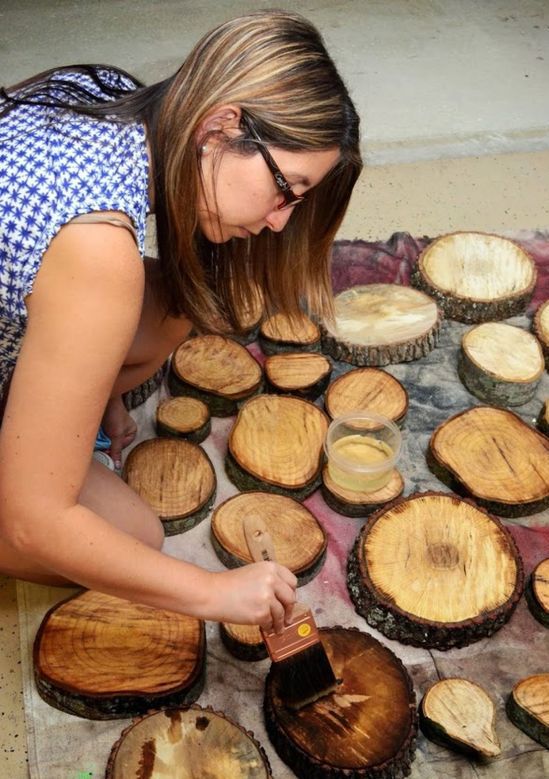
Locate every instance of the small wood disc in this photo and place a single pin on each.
(280, 333)
(243, 641)
(537, 592)
(541, 329)
(378, 324)
(492, 455)
(528, 707)
(367, 389)
(102, 657)
(187, 743)
(299, 373)
(250, 317)
(365, 729)
(352, 503)
(433, 570)
(183, 417)
(176, 478)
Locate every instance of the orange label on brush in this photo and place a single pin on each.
(301, 634)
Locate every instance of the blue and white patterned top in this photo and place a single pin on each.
(55, 165)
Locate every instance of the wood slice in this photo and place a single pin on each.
(537, 592)
(305, 374)
(501, 364)
(183, 417)
(436, 571)
(276, 445)
(367, 389)
(280, 333)
(365, 729)
(541, 329)
(378, 324)
(476, 277)
(299, 540)
(459, 714)
(250, 317)
(217, 370)
(352, 503)
(102, 657)
(495, 457)
(187, 743)
(243, 641)
(528, 707)
(543, 418)
(176, 478)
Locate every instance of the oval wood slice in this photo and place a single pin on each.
(541, 329)
(459, 714)
(501, 364)
(378, 324)
(280, 333)
(176, 478)
(537, 592)
(187, 743)
(543, 418)
(102, 657)
(243, 641)
(305, 374)
(217, 370)
(495, 457)
(353, 503)
(183, 417)
(276, 445)
(367, 389)
(436, 571)
(528, 707)
(364, 729)
(476, 277)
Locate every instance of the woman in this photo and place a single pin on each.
(247, 156)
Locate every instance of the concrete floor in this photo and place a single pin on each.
(453, 97)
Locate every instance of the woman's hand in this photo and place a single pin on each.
(119, 426)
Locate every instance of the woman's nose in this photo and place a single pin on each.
(277, 220)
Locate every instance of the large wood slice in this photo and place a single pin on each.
(541, 329)
(495, 457)
(365, 729)
(217, 370)
(378, 324)
(305, 374)
(436, 571)
(367, 389)
(299, 540)
(528, 707)
(476, 277)
(183, 417)
(537, 592)
(102, 657)
(280, 333)
(187, 743)
(501, 364)
(276, 445)
(176, 478)
(354, 503)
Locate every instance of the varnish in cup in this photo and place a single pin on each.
(362, 448)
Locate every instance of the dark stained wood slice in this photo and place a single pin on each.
(183, 417)
(459, 714)
(101, 657)
(305, 374)
(501, 364)
(537, 592)
(243, 641)
(476, 277)
(365, 729)
(187, 743)
(436, 571)
(543, 418)
(276, 444)
(216, 370)
(541, 329)
(367, 389)
(353, 503)
(176, 478)
(528, 707)
(378, 324)
(280, 333)
(495, 457)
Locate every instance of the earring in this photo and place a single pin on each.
(204, 149)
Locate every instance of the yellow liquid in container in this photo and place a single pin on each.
(360, 451)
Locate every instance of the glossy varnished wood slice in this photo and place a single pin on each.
(102, 657)
(537, 592)
(280, 333)
(183, 417)
(305, 374)
(528, 707)
(367, 389)
(434, 570)
(354, 503)
(365, 729)
(541, 329)
(496, 458)
(176, 478)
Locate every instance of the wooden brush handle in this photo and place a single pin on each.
(258, 539)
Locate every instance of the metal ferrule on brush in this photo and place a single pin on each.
(299, 635)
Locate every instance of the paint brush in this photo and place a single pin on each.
(303, 670)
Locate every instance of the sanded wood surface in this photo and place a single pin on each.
(365, 728)
(541, 328)
(537, 592)
(528, 707)
(183, 416)
(193, 743)
(280, 333)
(300, 373)
(492, 455)
(367, 389)
(354, 503)
(102, 657)
(243, 641)
(434, 570)
(476, 277)
(250, 316)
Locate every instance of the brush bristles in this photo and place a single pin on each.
(305, 677)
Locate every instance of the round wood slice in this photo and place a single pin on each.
(176, 478)
(250, 318)
(365, 729)
(183, 417)
(541, 329)
(187, 743)
(352, 503)
(280, 333)
(276, 444)
(378, 324)
(102, 657)
(501, 364)
(243, 641)
(305, 374)
(217, 370)
(460, 715)
(367, 389)
(495, 457)
(528, 707)
(436, 571)
(543, 418)
(537, 592)
(299, 540)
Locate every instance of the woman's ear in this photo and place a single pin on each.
(220, 123)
